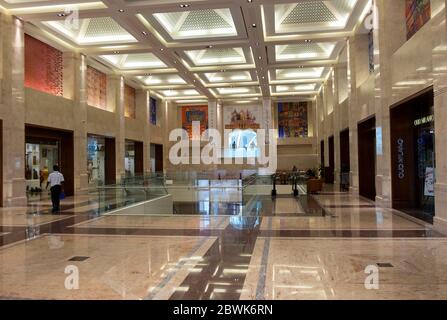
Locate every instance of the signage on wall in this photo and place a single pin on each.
(424, 120)
(400, 158)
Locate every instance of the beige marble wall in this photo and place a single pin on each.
(402, 69)
(439, 51)
(12, 109)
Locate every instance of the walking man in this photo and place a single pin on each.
(56, 181)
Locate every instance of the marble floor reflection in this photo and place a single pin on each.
(309, 247)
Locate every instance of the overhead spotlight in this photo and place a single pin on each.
(260, 58)
(161, 49)
(249, 1)
(209, 47)
(61, 15)
(307, 41)
(144, 33)
(254, 25)
(121, 10)
(116, 52)
(184, 6)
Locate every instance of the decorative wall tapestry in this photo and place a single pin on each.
(43, 67)
(196, 113)
(246, 117)
(129, 102)
(292, 119)
(153, 111)
(96, 88)
(417, 13)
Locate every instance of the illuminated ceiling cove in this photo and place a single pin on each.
(191, 52)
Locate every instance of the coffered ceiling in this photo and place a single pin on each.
(191, 51)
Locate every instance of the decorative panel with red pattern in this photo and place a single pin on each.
(96, 88)
(129, 102)
(43, 67)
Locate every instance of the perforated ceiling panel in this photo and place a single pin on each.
(159, 80)
(234, 76)
(92, 31)
(344, 6)
(303, 48)
(287, 74)
(216, 56)
(204, 19)
(310, 12)
(222, 53)
(106, 26)
(313, 15)
(197, 24)
(134, 61)
(303, 51)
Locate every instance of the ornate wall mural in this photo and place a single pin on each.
(43, 67)
(153, 111)
(96, 88)
(195, 113)
(417, 13)
(244, 117)
(292, 119)
(129, 102)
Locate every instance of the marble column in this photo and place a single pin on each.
(439, 33)
(337, 123)
(142, 115)
(353, 116)
(212, 114)
(267, 115)
(75, 88)
(328, 97)
(115, 88)
(320, 124)
(387, 39)
(12, 109)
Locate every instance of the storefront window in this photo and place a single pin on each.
(41, 156)
(129, 164)
(96, 160)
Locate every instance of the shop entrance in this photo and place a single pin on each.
(44, 148)
(330, 170)
(367, 158)
(413, 156)
(345, 165)
(156, 158)
(134, 158)
(98, 152)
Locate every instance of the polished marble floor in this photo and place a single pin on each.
(311, 247)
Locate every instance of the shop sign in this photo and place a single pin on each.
(424, 120)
